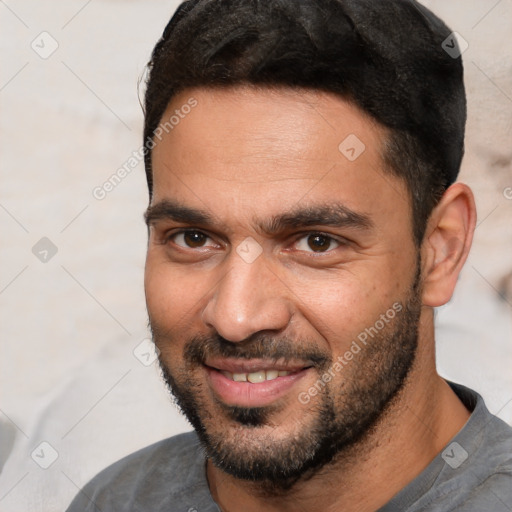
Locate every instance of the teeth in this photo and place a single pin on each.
(255, 377)
(272, 374)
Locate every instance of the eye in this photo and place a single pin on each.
(190, 239)
(316, 242)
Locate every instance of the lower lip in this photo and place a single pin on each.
(247, 394)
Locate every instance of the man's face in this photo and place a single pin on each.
(279, 246)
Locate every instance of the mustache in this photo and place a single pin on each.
(200, 348)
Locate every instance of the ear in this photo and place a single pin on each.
(446, 244)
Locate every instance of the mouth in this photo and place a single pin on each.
(254, 383)
(256, 377)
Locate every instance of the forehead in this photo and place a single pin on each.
(262, 150)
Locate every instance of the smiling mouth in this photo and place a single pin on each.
(256, 377)
(256, 370)
(256, 382)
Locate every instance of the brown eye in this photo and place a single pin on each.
(316, 242)
(190, 239)
(194, 239)
(319, 243)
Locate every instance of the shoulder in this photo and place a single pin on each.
(490, 468)
(472, 473)
(154, 477)
(172, 457)
(477, 464)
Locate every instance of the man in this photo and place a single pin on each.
(303, 224)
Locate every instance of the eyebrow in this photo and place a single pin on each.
(173, 210)
(333, 215)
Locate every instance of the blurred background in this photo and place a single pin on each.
(79, 387)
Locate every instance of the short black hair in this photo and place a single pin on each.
(385, 56)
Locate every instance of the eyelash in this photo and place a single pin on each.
(301, 236)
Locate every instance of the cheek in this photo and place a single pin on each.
(342, 306)
(171, 296)
(170, 301)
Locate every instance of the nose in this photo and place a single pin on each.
(249, 298)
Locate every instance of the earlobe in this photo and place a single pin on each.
(447, 243)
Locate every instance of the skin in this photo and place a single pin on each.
(244, 155)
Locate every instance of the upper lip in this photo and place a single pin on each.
(256, 365)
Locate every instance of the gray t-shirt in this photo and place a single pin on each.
(472, 474)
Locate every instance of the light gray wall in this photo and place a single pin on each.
(68, 376)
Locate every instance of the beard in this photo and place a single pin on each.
(248, 442)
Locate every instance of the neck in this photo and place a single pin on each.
(422, 419)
